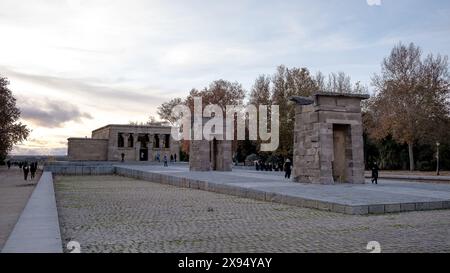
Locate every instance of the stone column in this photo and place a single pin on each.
(326, 155)
(137, 148)
(150, 148)
(357, 154)
(125, 140)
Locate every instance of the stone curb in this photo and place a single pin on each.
(415, 178)
(276, 197)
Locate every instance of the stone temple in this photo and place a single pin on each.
(137, 143)
(328, 139)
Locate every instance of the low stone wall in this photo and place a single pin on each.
(92, 167)
(80, 168)
(412, 177)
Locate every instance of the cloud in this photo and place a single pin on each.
(374, 2)
(93, 90)
(50, 114)
(31, 150)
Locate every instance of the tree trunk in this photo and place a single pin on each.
(411, 156)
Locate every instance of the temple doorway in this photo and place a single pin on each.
(143, 155)
(214, 154)
(143, 151)
(341, 152)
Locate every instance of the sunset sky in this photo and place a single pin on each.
(77, 65)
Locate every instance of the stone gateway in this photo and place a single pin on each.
(211, 155)
(328, 139)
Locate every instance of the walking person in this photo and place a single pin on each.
(175, 157)
(375, 170)
(33, 168)
(122, 157)
(9, 164)
(287, 169)
(26, 170)
(165, 161)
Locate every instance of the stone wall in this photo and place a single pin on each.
(202, 152)
(199, 156)
(224, 156)
(101, 133)
(87, 149)
(80, 168)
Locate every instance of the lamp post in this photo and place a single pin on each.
(437, 157)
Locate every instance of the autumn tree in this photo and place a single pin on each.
(11, 131)
(288, 82)
(411, 101)
(260, 93)
(338, 82)
(165, 110)
(219, 92)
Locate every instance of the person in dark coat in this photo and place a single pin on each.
(26, 170)
(9, 164)
(375, 170)
(287, 169)
(33, 169)
(165, 161)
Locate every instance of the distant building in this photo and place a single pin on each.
(135, 142)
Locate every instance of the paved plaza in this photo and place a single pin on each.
(118, 214)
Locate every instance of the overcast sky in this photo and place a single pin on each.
(77, 65)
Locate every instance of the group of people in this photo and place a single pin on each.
(270, 167)
(287, 168)
(173, 158)
(27, 168)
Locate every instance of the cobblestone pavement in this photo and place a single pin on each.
(117, 214)
(14, 195)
